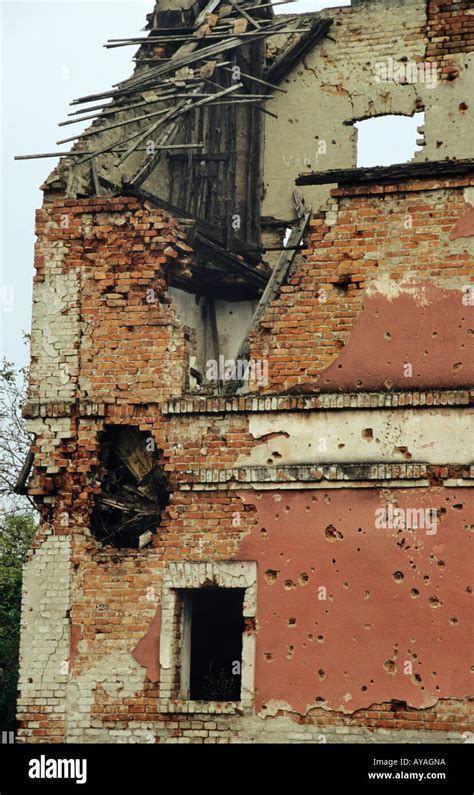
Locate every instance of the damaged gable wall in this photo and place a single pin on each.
(341, 81)
(355, 630)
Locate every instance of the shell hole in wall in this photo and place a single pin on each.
(388, 139)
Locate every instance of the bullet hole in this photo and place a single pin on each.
(340, 446)
(30, 681)
(289, 584)
(287, 508)
(364, 688)
(331, 534)
(276, 454)
(271, 576)
(458, 507)
(469, 590)
(433, 673)
(359, 384)
(310, 636)
(453, 621)
(441, 564)
(435, 334)
(345, 585)
(414, 593)
(463, 107)
(359, 530)
(398, 576)
(269, 461)
(434, 602)
(404, 452)
(263, 532)
(367, 626)
(320, 638)
(269, 656)
(388, 383)
(321, 673)
(439, 144)
(290, 652)
(368, 434)
(457, 366)
(426, 578)
(327, 499)
(387, 335)
(358, 549)
(416, 679)
(390, 667)
(366, 594)
(303, 579)
(343, 283)
(292, 622)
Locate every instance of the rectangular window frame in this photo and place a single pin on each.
(175, 634)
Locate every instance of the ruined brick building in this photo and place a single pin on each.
(277, 551)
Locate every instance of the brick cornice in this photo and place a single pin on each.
(213, 478)
(202, 404)
(330, 401)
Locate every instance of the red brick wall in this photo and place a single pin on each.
(132, 357)
(450, 32)
(331, 301)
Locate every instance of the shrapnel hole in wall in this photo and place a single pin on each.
(134, 489)
(389, 139)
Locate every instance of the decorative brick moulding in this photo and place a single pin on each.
(362, 400)
(288, 475)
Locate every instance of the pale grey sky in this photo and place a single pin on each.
(52, 53)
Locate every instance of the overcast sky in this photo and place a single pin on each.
(52, 53)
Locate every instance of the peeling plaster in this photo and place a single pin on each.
(325, 437)
(366, 618)
(418, 324)
(147, 650)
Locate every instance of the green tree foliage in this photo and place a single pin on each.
(17, 527)
(16, 533)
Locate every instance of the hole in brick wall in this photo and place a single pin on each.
(134, 489)
(214, 651)
(387, 140)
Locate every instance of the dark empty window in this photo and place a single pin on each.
(212, 643)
